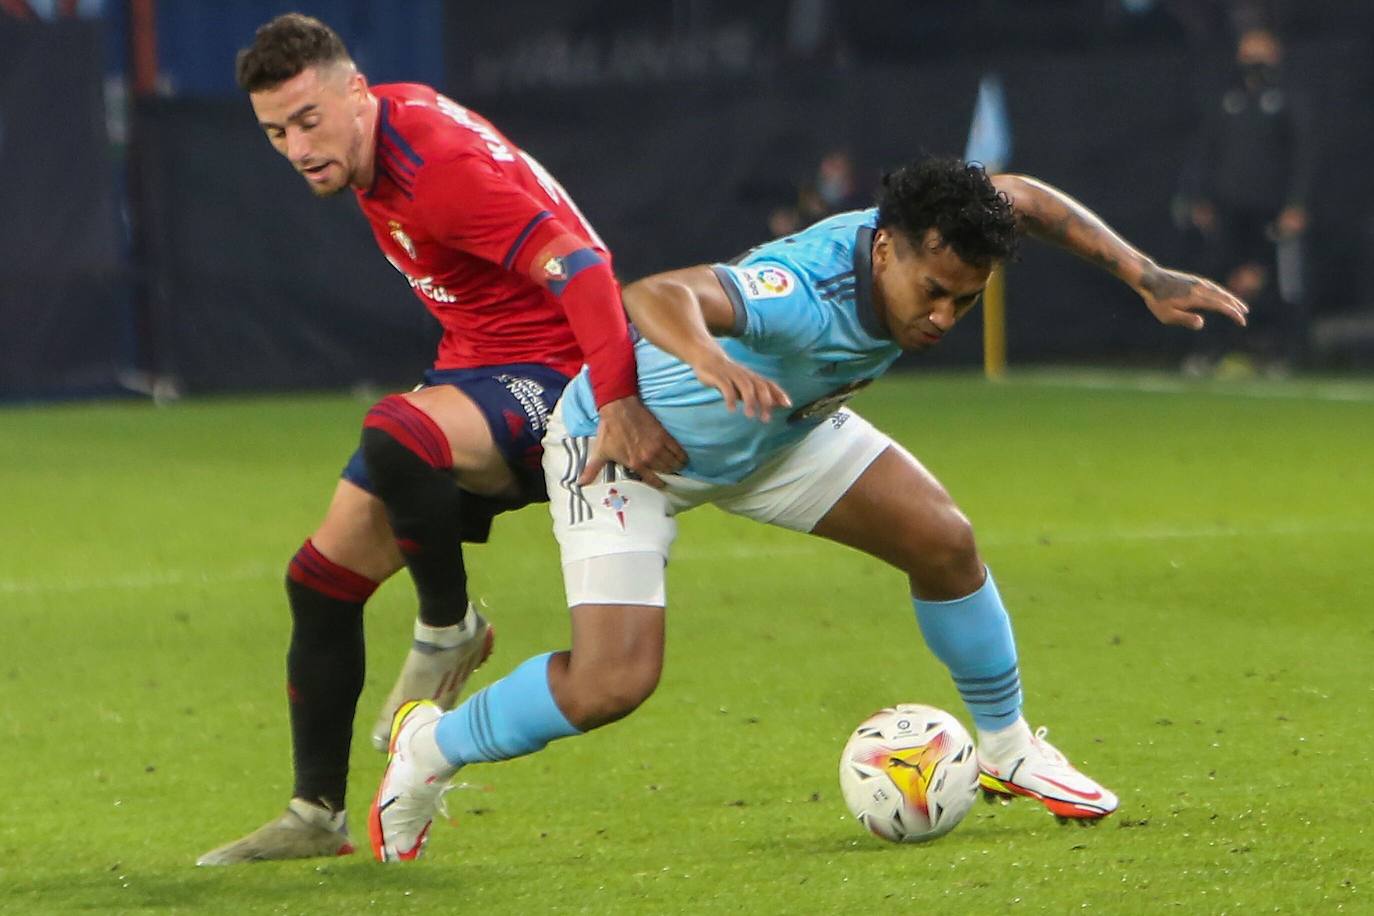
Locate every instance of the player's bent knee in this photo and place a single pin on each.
(627, 690)
(611, 669)
(947, 563)
(399, 438)
(613, 693)
(311, 573)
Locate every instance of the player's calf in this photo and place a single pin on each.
(325, 669)
(594, 695)
(944, 562)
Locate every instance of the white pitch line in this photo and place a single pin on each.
(735, 551)
(1285, 529)
(135, 582)
(1034, 539)
(1300, 390)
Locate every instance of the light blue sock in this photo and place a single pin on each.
(513, 717)
(972, 636)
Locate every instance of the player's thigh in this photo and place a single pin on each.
(798, 488)
(614, 666)
(356, 535)
(617, 657)
(898, 512)
(614, 637)
(849, 482)
(494, 418)
(478, 464)
(613, 517)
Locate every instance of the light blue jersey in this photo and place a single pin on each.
(804, 318)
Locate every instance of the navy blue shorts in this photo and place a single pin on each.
(516, 400)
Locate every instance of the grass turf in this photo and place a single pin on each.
(1188, 571)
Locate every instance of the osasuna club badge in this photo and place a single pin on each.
(398, 235)
(554, 269)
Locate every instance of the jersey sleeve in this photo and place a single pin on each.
(471, 206)
(774, 312)
(479, 210)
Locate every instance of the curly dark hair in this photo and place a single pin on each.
(283, 48)
(957, 200)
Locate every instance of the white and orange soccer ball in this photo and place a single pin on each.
(909, 773)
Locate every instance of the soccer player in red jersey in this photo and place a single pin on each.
(522, 285)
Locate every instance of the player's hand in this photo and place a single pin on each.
(741, 387)
(633, 438)
(1176, 298)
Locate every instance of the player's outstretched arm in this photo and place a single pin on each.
(1176, 298)
(679, 312)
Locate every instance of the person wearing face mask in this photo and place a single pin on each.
(834, 189)
(1249, 190)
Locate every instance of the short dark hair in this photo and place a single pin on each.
(957, 200)
(283, 48)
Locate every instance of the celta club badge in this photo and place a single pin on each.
(615, 501)
(398, 235)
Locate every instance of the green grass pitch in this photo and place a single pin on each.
(1190, 571)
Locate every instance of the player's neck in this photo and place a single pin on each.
(366, 171)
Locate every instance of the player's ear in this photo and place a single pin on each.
(357, 86)
(882, 247)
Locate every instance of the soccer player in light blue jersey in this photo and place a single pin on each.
(748, 366)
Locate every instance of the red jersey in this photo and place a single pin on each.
(461, 212)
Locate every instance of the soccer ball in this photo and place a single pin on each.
(909, 773)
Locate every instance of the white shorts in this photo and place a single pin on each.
(618, 515)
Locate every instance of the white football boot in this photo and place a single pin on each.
(412, 787)
(436, 671)
(305, 831)
(1039, 771)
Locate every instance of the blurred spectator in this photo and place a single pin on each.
(50, 9)
(1202, 21)
(836, 185)
(834, 189)
(1248, 191)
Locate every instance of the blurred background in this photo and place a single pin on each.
(152, 243)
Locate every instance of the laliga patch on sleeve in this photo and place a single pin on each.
(766, 281)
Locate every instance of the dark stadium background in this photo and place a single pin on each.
(189, 342)
(153, 243)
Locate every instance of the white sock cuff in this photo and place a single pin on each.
(446, 637)
(1005, 740)
(316, 814)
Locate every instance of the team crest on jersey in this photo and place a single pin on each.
(398, 235)
(770, 282)
(615, 501)
(554, 269)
